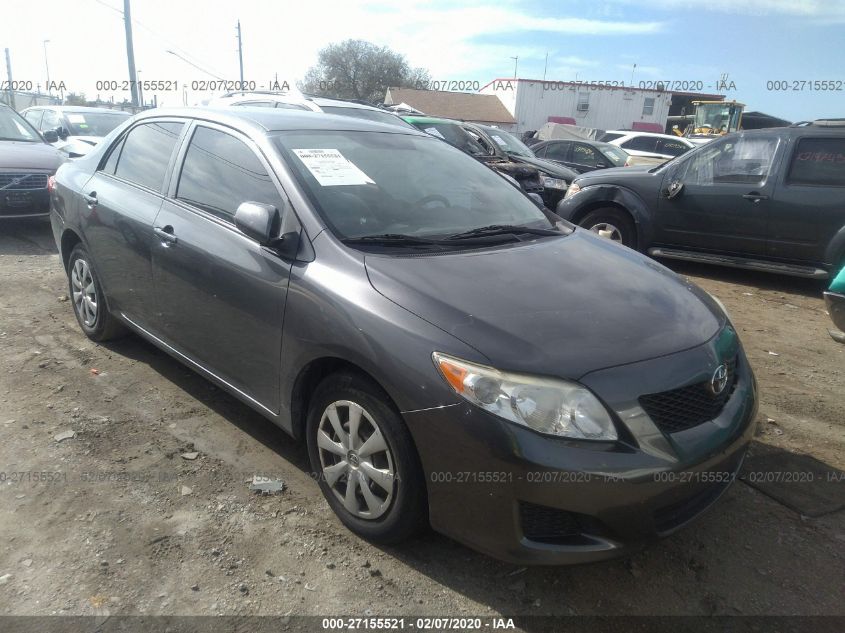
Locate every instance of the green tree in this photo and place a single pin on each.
(75, 99)
(356, 69)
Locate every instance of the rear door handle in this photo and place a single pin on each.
(90, 199)
(165, 234)
(755, 197)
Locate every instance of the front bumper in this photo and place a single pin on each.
(27, 203)
(531, 499)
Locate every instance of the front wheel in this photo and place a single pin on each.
(613, 224)
(365, 460)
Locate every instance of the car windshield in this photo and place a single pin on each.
(376, 183)
(13, 127)
(93, 123)
(508, 142)
(616, 155)
(453, 134)
(367, 114)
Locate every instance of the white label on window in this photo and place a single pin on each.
(331, 168)
(434, 132)
(499, 140)
(76, 118)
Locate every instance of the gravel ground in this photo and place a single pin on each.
(118, 520)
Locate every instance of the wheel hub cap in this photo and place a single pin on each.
(85, 300)
(356, 461)
(608, 231)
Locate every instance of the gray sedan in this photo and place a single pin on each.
(385, 297)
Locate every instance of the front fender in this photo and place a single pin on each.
(596, 196)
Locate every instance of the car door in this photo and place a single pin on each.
(807, 209)
(724, 200)
(120, 202)
(221, 296)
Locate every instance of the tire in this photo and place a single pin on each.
(89, 302)
(388, 514)
(615, 224)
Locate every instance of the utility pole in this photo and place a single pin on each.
(546, 66)
(515, 64)
(140, 89)
(241, 54)
(130, 52)
(9, 77)
(47, 66)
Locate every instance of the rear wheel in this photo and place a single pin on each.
(611, 223)
(364, 459)
(89, 302)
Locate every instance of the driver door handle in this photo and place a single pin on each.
(90, 199)
(755, 197)
(165, 234)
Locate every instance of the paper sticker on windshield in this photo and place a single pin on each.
(331, 168)
(76, 118)
(499, 140)
(434, 132)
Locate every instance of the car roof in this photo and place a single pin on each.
(292, 98)
(79, 109)
(264, 120)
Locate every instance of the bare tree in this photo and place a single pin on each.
(355, 69)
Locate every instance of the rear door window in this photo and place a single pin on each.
(558, 151)
(818, 161)
(146, 153)
(641, 144)
(220, 172)
(671, 147)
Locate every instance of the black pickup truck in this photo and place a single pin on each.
(771, 200)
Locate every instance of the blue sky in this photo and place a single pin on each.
(754, 41)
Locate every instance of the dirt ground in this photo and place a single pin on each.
(116, 521)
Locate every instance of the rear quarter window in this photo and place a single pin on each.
(818, 161)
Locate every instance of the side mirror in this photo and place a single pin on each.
(674, 189)
(62, 132)
(259, 221)
(51, 136)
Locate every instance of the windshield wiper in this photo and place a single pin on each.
(398, 239)
(502, 229)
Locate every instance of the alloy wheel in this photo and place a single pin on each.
(84, 292)
(355, 459)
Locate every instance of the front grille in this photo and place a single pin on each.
(22, 182)
(550, 525)
(689, 406)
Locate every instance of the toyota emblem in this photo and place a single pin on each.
(719, 380)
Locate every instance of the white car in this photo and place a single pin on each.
(648, 147)
(295, 100)
(79, 128)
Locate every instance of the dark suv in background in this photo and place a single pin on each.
(770, 200)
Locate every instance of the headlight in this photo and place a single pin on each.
(573, 189)
(554, 183)
(547, 405)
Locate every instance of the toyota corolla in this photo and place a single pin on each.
(451, 353)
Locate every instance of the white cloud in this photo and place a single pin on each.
(816, 9)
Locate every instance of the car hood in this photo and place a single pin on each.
(21, 155)
(547, 167)
(561, 306)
